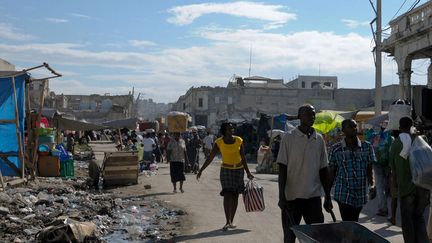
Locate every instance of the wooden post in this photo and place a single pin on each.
(29, 126)
(38, 118)
(20, 144)
(1, 180)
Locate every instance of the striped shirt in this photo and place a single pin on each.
(351, 182)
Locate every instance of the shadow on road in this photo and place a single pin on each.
(209, 234)
(386, 232)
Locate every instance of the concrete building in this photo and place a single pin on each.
(147, 109)
(6, 66)
(93, 108)
(36, 89)
(313, 82)
(244, 98)
(410, 39)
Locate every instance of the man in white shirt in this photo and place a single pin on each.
(208, 143)
(149, 145)
(303, 172)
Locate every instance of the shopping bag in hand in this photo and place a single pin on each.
(253, 197)
(420, 159)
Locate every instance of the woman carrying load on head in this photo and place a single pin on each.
(232, 170)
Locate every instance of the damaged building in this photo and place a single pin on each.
(93, 108)
(245, 98)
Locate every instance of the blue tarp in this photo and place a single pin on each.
(9, 140)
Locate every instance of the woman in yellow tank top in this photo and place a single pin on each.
(232, 170)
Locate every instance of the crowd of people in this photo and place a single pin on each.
(307, 166)
(351, 167)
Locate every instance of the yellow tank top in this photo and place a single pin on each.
(230, 152)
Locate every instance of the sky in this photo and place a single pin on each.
(162, 48)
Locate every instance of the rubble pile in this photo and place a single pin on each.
(52, 209)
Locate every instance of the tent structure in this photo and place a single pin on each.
(69, 124)
(14, 102)
(326, 121)
(376, 121)
(12, 124)
(130, 123)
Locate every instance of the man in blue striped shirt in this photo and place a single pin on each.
(350, 162)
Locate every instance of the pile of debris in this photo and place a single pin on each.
(56, 210)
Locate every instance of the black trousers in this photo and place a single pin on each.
(310, 209)
(349, 213)
(412, 209)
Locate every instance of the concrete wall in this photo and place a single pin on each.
(246, 102)
(6, 66)
(353, 99)
(309, 80)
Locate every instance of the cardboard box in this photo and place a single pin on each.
(49, 166)
(177, 123)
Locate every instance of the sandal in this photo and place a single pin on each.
(225, 228)
(232, 226)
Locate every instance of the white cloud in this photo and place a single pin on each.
(9, 32)
(141, 43)
(56, 20)
(184, 15)
(78, 15)
(167, 73)
(350, 23)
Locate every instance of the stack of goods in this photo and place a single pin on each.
(46, 136)
(66, 161)
(398, 109)
(177, 121)
(144, 125)
(48, 165)
(54, 162)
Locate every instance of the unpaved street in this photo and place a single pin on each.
(205, 218)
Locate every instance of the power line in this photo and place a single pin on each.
(414, 5)
(398, 10)
(411, 8)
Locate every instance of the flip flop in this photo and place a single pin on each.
(232, 226)
(225, 228)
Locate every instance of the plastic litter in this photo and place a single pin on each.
(421, 163)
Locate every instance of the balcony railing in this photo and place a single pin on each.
(410, 23)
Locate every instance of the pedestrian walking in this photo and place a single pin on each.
(381, 169)
(176, 155)
(303, 171)
(232, 170)
(149, 146)
(70, 143)
(208, 143)
(350, 162)
(192, 148)
(413, 199)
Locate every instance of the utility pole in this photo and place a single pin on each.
(250, 59)
(378, 57)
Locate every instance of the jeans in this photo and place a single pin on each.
(349, 213)
(381, 179)
(412, 209)
(310, 209)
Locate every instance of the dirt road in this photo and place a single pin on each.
(205, 212)
(205, 217)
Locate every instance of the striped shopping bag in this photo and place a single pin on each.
(253, 197)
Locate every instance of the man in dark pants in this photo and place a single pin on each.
(413, 199)
(350, 162)
(303, 172)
